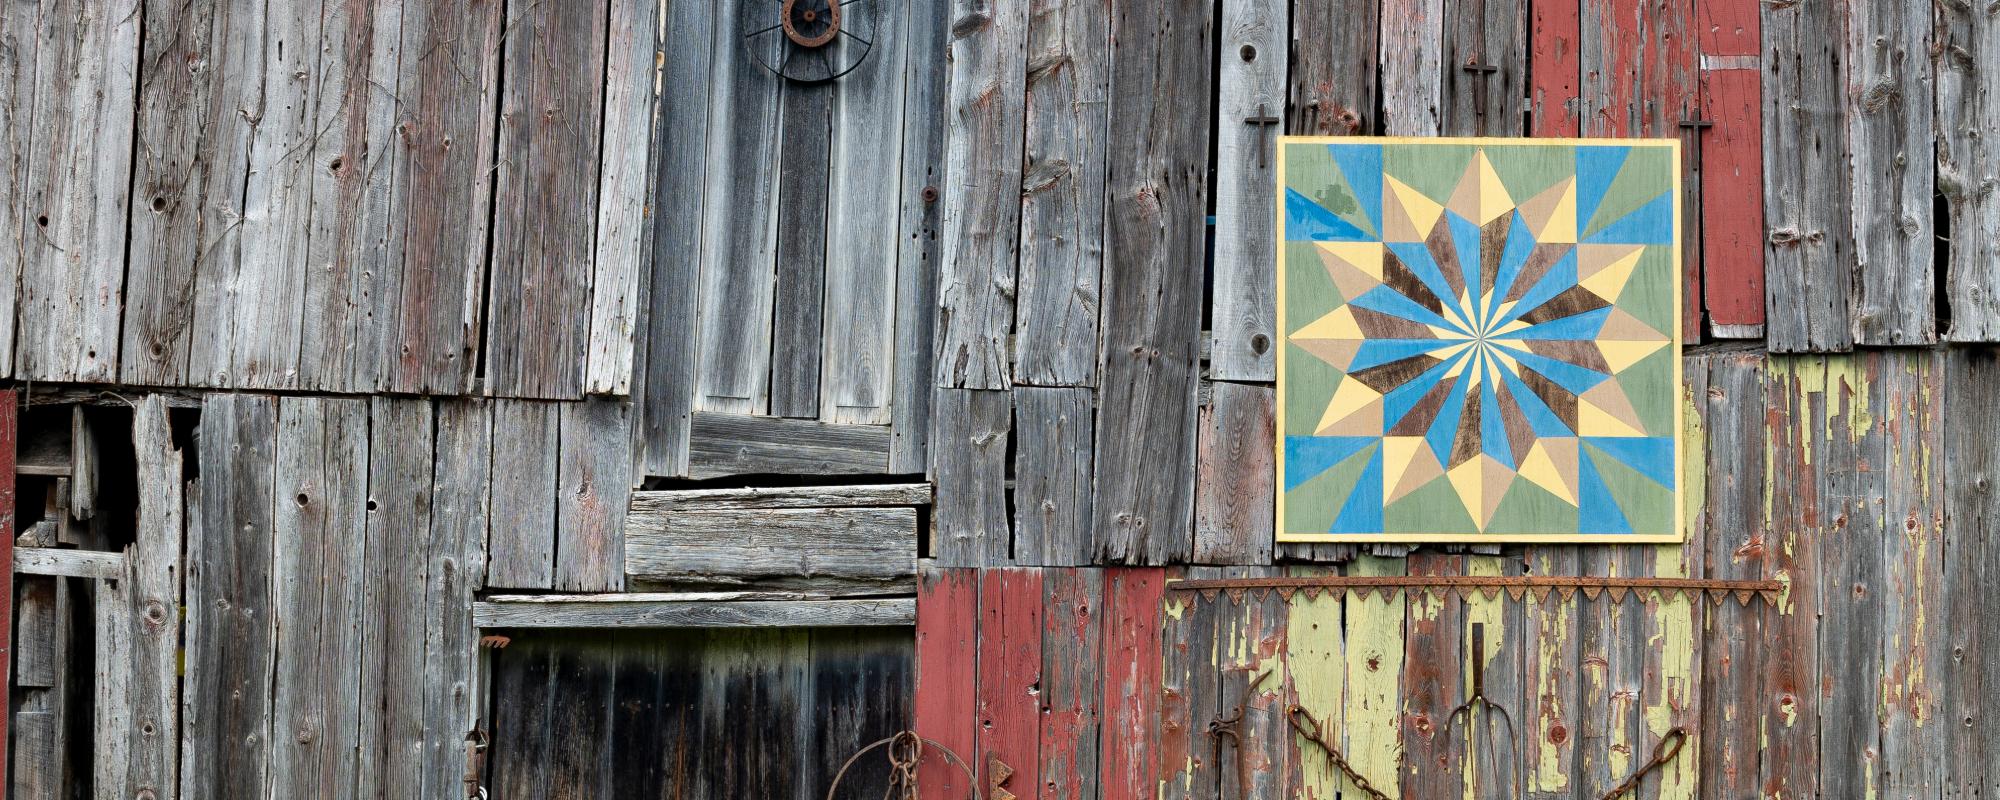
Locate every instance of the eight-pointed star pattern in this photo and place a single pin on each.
(1478, 340)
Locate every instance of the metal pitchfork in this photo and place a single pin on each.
(1489, 717)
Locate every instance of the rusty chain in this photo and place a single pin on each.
(1310, 731)
(1663, 752)
(905, 750)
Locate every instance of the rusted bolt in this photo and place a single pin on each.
(1558, 734)
(930, 194)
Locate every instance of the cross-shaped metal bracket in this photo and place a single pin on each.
(1261, 119)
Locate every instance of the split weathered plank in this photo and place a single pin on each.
(860, 231)
(1555, 31)
(1732, 202)
(619, 257)
(187, 178)
(1803, 403)
(1551, 717)
(918, 252)
(319, 554)
(739, 208)
(1436, 661)
(968, 451)
(1807, 257)
(1412, 63)
(1316, 678)
(1971, 467)
(1188, 767)
(860, 692)
(1887, 109)
(1371, 713)
(1728, 27)
(84, 465)
(1129, 738)
(1062, 193)
(1072, 664)
(1670, 692)
(1052, 441)
(1965, 41)
(394, 577)
(520, 549)
(1607, 686)
(38, 756)
(1733, 658)
(733, 444)
(1914, 656)
(885, 494)
(1480, 36)
(1639, 70)
(455, 566)
(226, 700)
(551, 109)
(153, 596)
(947, 681)
(1251, 94)
(1251, 670)
(635, 611)
(781, 548)
(1010, 677)
(111, 617)
(69, 563)
(987, 54)
(798, 294)
(680, 146)
(1236, 456)
(10, 418)
(1333, 71)
(449, 89)
(1144, 470)
(69, 132)
(593, 489)
(44, 645)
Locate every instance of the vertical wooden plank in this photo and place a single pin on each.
(593, 486)
(680, 172)
(1728, 27)
(551, 112)
(1072, 663)
(187, 179)
(1189, 700)
(9, 441)
(918, 249)
(799, 296)
(1552, 723)
(1555, 31)
(450, 92)
(226, 700)
(455, 565)
(1888, 120)
(869, 146)
(1413, 66)
(1251, 86)
(1807, 258)
(1010, 676)
(1316, 673)
(111, 613)
(969, 459)
(69, 133)
(521, 725)
(1733, 641)
(947, 676)
(1052, 476)
(1062, 193)
(1251, 647)
(1144, 478)
(1485, 34)
(1371, 730)
(399, 539)
(153, 596)
(1639, 67)
(1849, 534)
(1732, 203)
(1972, 385)
(1489, 742)
(619, 256)
(1236, 458)
(1965, 39)
(1799, 409)
(36, 755)
(580, 719)
(1434, 670)
(982, 169)
(1914, 730)
(1332, 78)
(318, 566)
(1129, 741)
(521, 543)
(1670, 695)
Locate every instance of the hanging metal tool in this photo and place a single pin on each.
(906, 751)
(1486, 726)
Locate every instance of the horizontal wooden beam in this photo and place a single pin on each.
(69, 563)
(737, 444)
(883, 494)
(688, 611)
(773, 548)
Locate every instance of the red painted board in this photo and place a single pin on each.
(1553, 69)
(1072, 655)
(9, 428)
(1128, 746)
(1010, 676)
(1729, 27)
(1732, 201)
(947, 669)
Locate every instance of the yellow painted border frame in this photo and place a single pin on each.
(1674, 340)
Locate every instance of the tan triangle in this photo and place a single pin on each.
(1595, 258)
(1338, 352)
(1605, 411)
(1609, 280)
(1493, 199)
(1365, 421)
(1551, 215)
(1418, 472)
(1336, 324)
(1465, 195)
(1496, 478)
(1539, 467)
(1621, 326)
(1410, 215)
(1563, 453)
(1350, 399)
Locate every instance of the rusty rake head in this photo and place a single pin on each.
(1485, 727)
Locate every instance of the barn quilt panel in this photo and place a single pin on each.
(1479, 340)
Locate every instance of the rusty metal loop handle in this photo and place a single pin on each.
(1663, 751)
(906, 748)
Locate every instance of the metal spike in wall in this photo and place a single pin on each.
(1489, 587)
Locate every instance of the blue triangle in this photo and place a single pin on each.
(1465, 239)
(1308, 456)
(1362, 164)
(1574, 328)
(1444, 429)
(1596, 511)
(1417, 257)
(1492, 430)
(1651, 456)
(1520, 245)
(1554, 282)
(1541, 420)
(1307, 221)
(1376, 352)
(1572, 378)
(1596, 167)
(1652, 223)
(1393, 303)
(1362, 513)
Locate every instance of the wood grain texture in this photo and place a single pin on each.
(1332, 79)
(1052, 446)
(1251, 84)
(730, 444)
(1807, 256)
(153, 596)
(1144, 470)
(1733, 662)
(1849, 533)
(619, 257)
(395, 582)
(69, 563)
(1965, 40)
(885, 494)
(73, 77)
(1133, 657)
(1803, 413)
(1062, 194)
(226, 700)
(1233, 520)
(455, 568)
(1555, 31)
(1888, 120)
(986, 54)
(520, 547)
(968, 451)
(1072, 671)
(1910, 683)
(112, 683)
(621, 612)
(1970, 464)
(593, 486)
(783, 548)
(551, 113)
(1485, 33)
(798, 292)
(1732, 203)
(1413, 65)
(947, 673)
(1188, 699)
(1010, 677)
(919, 251)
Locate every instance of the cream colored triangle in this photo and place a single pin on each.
(1493, 199)
(1352, 281)
(1605, 411)
(1364, 256)
(1620, 325)
(1337, 324)
(1608, 280)
(1410, 466)
(1412, 214)
(1540, 469)
(1338, 352)
(1621, 355)
(1445, 354)
(1349, 409)
(1551, 215)
(1469, 480)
